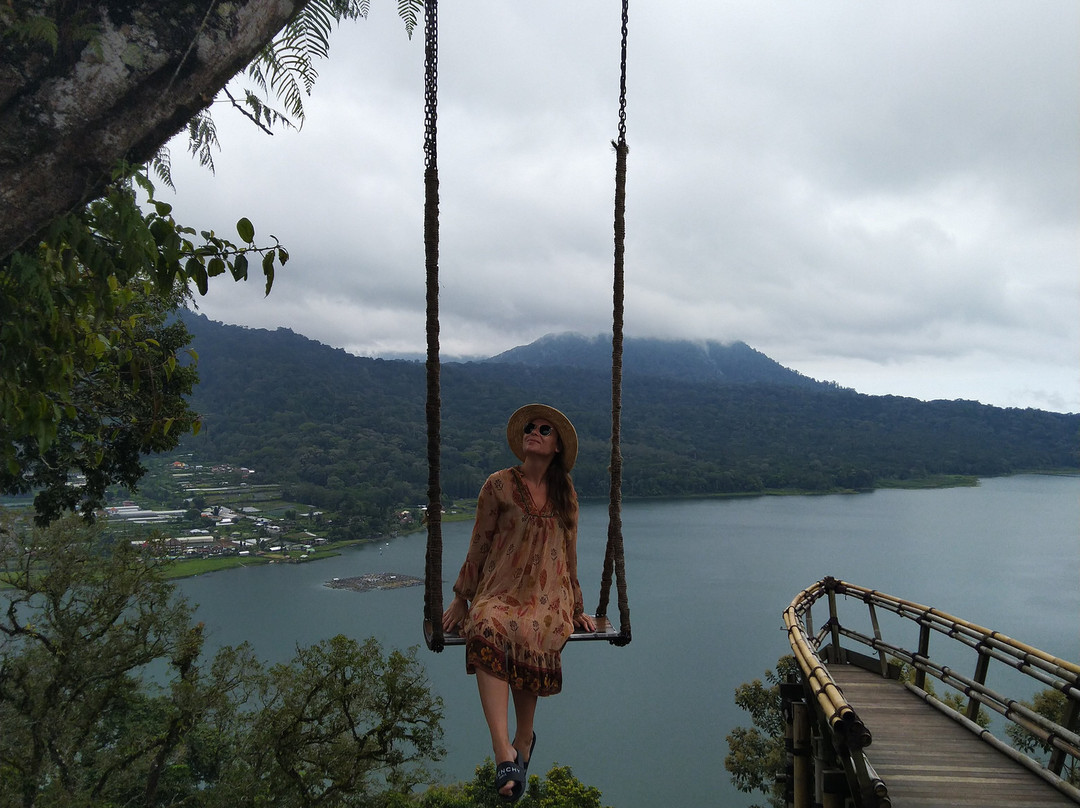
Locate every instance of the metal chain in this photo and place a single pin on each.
(431, 81)
(622, 72)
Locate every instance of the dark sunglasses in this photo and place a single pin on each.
(543, 429)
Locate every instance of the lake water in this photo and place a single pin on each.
(708, 582)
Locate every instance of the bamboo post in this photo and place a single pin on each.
(924, 653)
(789, 758)
(877, 636)
(823, 763)
(834, 626)
(1057, 756)
(802, 764)
(792, 690)
(835, 789)
(980, 678)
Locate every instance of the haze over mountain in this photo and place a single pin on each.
(706, 361)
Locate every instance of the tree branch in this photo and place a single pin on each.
(68, 116)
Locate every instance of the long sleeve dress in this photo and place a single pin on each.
(520, 578)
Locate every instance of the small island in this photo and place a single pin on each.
(375, 580)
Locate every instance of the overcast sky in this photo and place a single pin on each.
(881, 194)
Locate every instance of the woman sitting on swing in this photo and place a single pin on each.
(517, 598)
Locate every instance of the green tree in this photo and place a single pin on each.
(562, 790)
(81, 620)
(96, 371)
(92, 375)
(756, 754)
(1054, 705)
(338, 725)
(559, 789)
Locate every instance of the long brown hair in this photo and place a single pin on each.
(561, 492)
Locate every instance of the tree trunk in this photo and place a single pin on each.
(122, 79)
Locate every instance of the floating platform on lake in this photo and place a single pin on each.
(375, 580)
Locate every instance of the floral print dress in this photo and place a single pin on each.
(520, 578)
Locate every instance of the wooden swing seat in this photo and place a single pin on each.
(604, 631)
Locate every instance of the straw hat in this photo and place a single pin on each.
(515, 429)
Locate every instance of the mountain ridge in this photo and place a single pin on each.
(705, 360)
(347, 432)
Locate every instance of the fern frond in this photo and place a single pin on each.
(161, 164)
(34, 28)
(348, 9)
(255, 72)
(309, 32)
(286, 69)
(409, 11)
(89, 33)
(202, 138)
(263, 114)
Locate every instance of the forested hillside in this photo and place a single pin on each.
(682, 359)
(348, 433)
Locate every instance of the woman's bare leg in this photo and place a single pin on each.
(494, 698)
(525, 712)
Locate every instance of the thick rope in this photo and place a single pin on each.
(613, 558)
(433, 583)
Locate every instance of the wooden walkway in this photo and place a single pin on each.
(928, 760)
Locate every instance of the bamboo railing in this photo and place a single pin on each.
(850, 736)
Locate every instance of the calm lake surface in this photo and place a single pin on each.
(708, 582)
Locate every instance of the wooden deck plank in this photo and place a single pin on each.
(927, 760)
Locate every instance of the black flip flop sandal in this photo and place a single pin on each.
(510, 772)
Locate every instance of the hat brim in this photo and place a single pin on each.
(515, 428)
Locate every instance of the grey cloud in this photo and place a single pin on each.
(865, 192)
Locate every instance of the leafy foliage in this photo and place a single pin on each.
(341, 724)
(409, 11)
(756, 754)
(31, 28)
(33, 25)
(286, 67)
(79, 623)
(94, 373)
(338, 725)
(285, 70)
(1054, 705)
(559, 789)
(338, 720)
